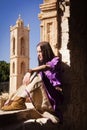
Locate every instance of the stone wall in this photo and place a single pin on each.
(74, 76)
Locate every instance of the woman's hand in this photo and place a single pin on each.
(8, 101)
(30, 71)
(26, 79)
(58, 88)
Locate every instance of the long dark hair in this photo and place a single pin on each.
(46, 51)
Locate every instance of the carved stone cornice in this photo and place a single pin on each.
(48, 6)
(48, 10)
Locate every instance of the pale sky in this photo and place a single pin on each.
(9, 13)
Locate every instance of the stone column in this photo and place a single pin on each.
(65, 32)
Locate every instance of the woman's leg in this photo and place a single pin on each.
(19, 98)
(37, 93)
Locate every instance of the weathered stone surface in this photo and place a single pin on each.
(25, 120)
(31, 125)
(11, 117)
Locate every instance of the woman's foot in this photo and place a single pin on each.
(17, 104)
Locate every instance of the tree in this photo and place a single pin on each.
(4, 71)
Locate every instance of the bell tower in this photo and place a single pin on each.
(19, 53)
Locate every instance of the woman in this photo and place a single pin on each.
(41, 84)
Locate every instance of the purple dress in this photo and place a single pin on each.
(52, 78)
(54, 73)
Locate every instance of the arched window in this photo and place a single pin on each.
(13, 68)
(22, 68)
(22, 46)
(13, 49)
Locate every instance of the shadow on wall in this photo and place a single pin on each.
(75, 91)
(67, 89)
(74, 78)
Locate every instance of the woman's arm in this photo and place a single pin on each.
(39, 68)
(26, 79)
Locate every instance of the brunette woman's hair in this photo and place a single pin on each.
(46, 52)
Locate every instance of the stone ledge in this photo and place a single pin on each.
(25, 120)
(12, 117)
(31, 125)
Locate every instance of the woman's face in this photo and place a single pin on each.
(39, 53)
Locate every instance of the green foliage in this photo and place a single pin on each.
(4, 71)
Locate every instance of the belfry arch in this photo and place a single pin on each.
(13, 68)
(13, 46)
(22, 46)
(22, 69)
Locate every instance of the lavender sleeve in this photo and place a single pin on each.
(53, 74)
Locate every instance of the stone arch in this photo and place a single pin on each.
(22, 46)
(13, 68)
(22, 68)
(13, 47)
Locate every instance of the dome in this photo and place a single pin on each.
(19, 21)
